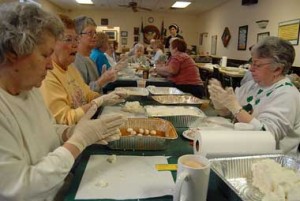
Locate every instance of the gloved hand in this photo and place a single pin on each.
(216, 104)
(109, 99)
(226, 98)
(121, 64)
(109, 75)
(89, 131)
(110, 138)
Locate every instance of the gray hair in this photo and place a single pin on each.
(139, 46)
(280, 51)
(81, 22)
(22, 27)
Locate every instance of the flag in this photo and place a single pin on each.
(142, 27)
(162, 30)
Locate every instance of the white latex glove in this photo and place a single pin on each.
(109, 75)
(225, 97)
(110, 138)
(89, 131)
(121, 64)
(109, 99)
(216, 104)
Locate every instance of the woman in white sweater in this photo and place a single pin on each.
(269, 101)
(36, 154)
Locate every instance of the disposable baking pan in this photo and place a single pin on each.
(165, 133)
(134, 91)
(179, 116)
(179, 99)
(164, 90)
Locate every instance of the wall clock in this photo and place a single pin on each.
(150, 19)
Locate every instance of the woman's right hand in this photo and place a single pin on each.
(89, 131)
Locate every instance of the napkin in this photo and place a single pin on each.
(129, 177)
(217, 143)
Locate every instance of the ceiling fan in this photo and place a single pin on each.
(133, 5)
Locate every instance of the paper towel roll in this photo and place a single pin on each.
(224, 62)
(236, 143)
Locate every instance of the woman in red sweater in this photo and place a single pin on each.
(181, 69)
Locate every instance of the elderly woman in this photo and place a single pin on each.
(181, 69)
(158, 51)
(269, 101)
(85, 27)
(97, 54)
(64, 90)
(36, 154)
(139, 56)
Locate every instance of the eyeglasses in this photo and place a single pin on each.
(90, 34)
(71, 40)
(255, 65)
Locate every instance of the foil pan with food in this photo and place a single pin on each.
(179, 99)
(256, 178)
(179, 116)
(145, 134)
(164, 90)
(132, 91)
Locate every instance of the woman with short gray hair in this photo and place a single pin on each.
(86, 29)
(269, 102)
(36, 154)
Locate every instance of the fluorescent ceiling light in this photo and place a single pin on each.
(181, 4)
(84, 1)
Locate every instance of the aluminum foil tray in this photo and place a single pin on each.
(236, 174)
(164, 90)
(179, 116)
(134, 91)
(165, 133)
(180, 99)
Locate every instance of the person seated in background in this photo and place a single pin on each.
(115, 46)
(269, 101)
(158, 51)
(97, 53)
(86, 29)
(139, 56)
(36, 153)
(149, 48)
(181, 69)
(109, 54)
(174, 30)
(66, 94)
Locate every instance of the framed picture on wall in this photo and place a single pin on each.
(124, 33)
(261, 36)
(136, 31)
(136, 39)
(112, 34)
(213, 50)
(289, 30)
(226, 36)
(104, 21)
(242, 38)
(124, 41)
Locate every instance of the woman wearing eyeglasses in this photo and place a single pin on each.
(36, 154)
(66, 94)
(270, 101)
(85, 27)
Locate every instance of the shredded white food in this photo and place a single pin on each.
(276, 182)
(133, 107)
